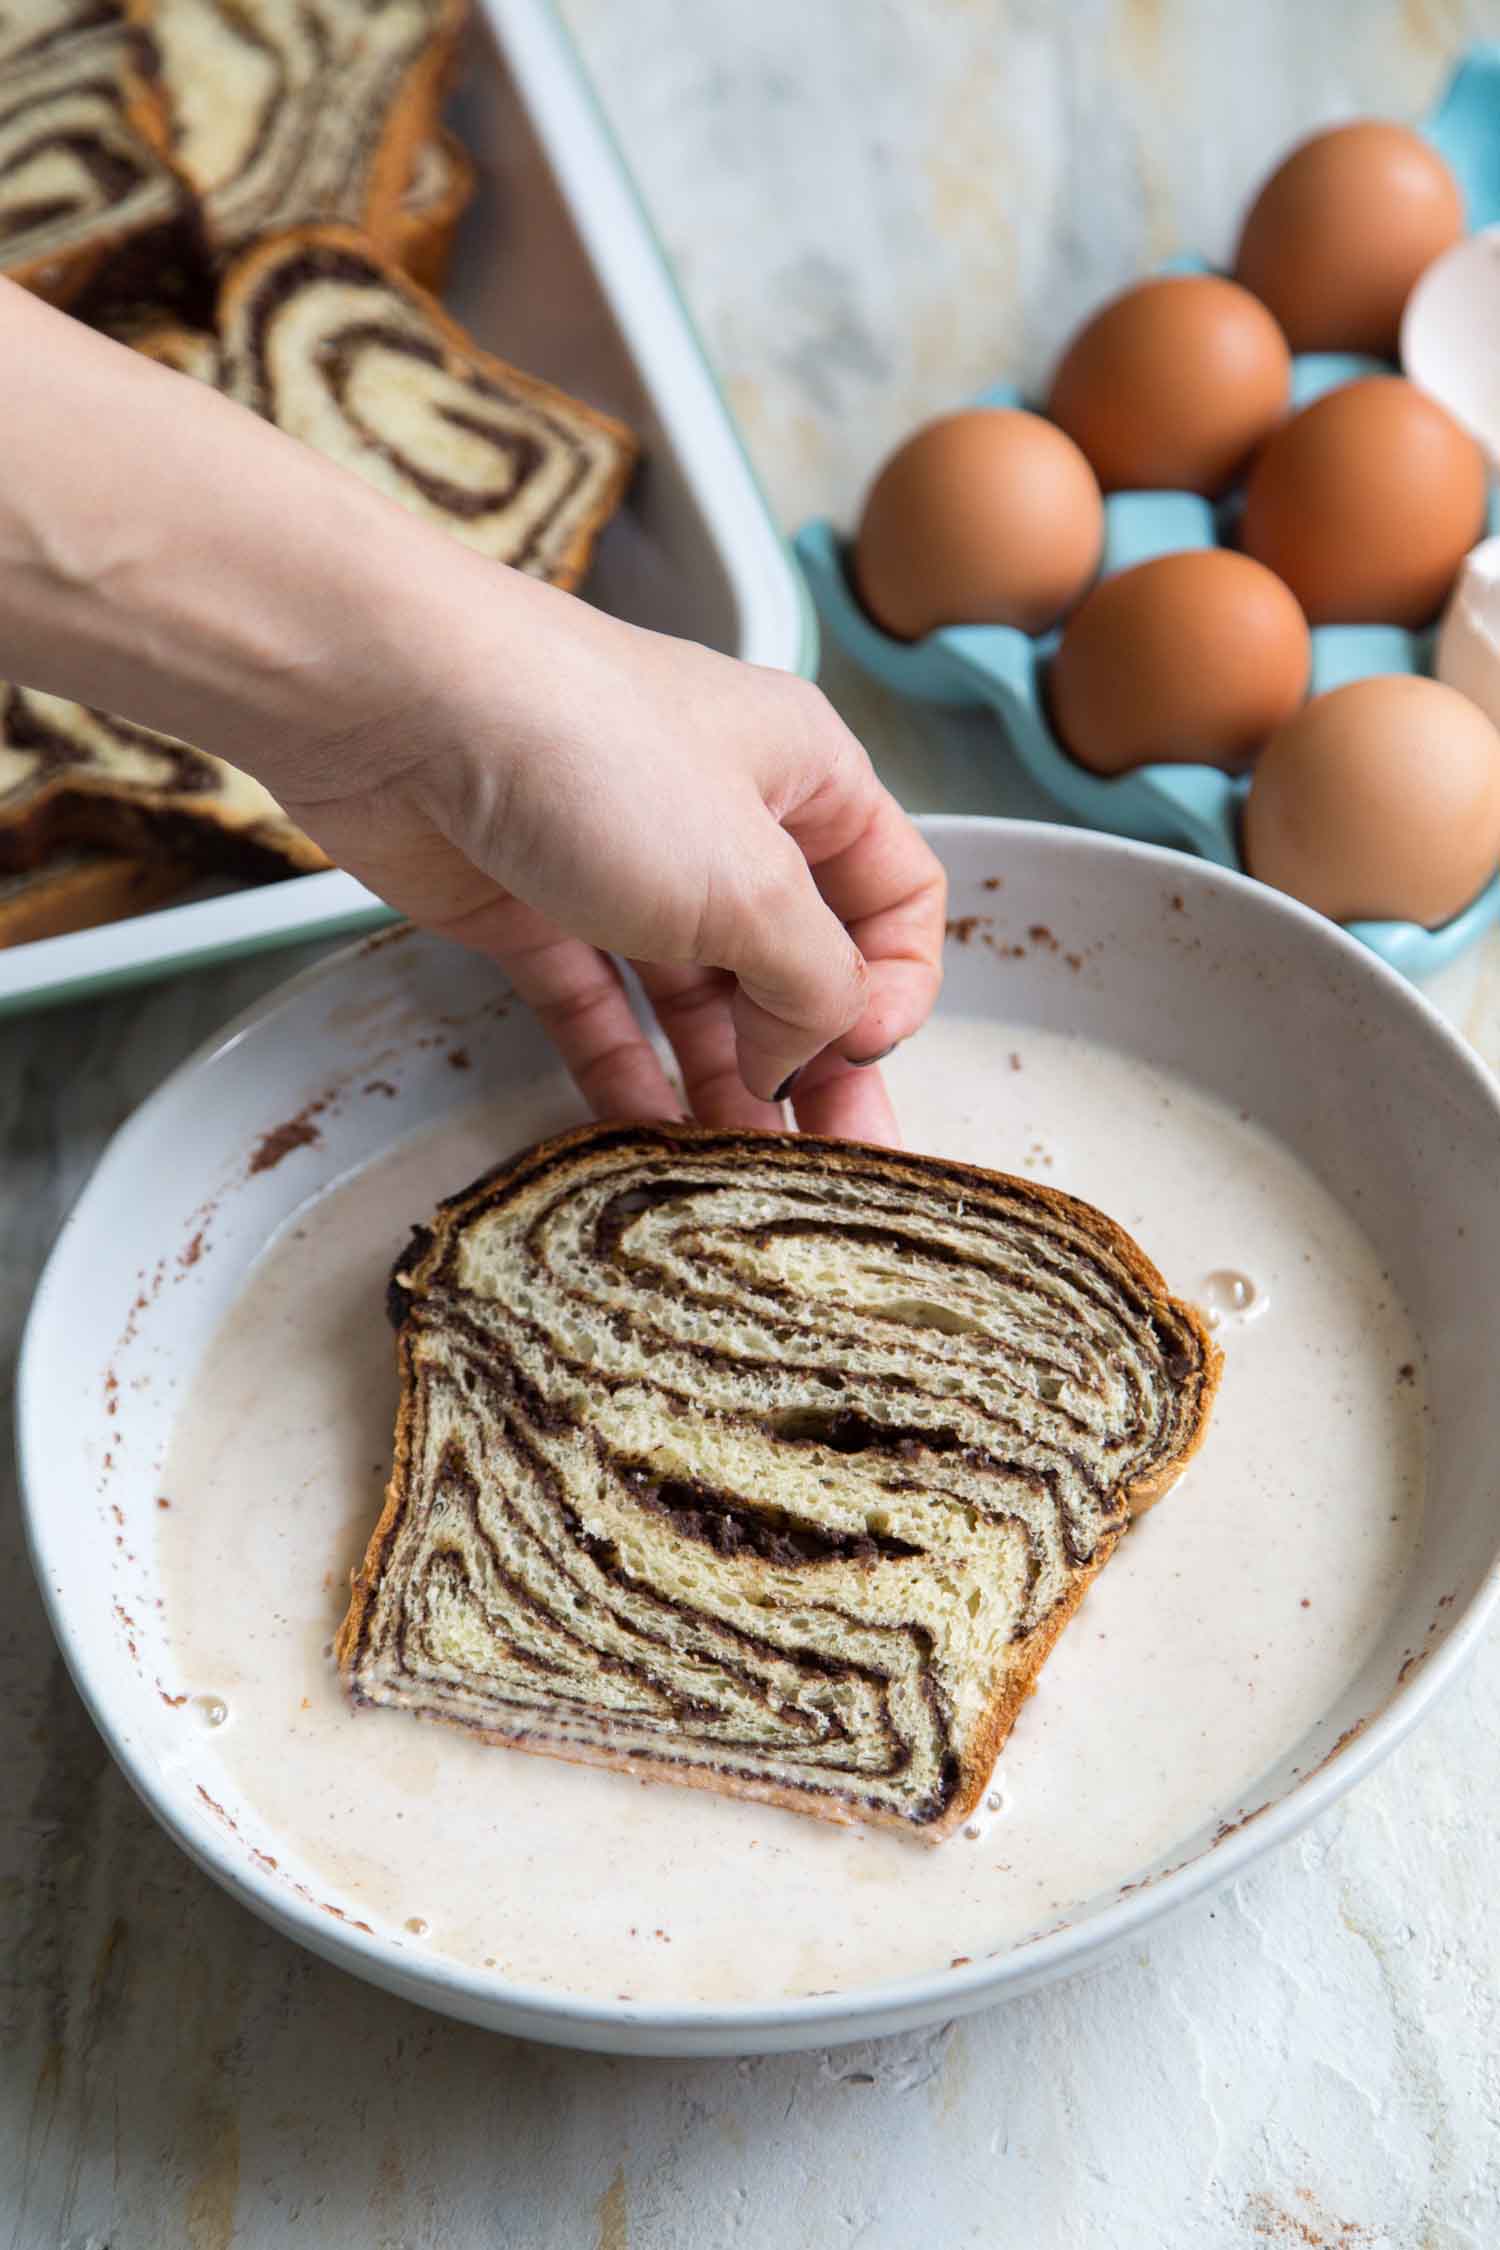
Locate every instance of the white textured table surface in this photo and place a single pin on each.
(875, 206)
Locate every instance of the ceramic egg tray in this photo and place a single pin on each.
(1003, 670)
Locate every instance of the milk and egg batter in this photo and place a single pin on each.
(1223, 1628)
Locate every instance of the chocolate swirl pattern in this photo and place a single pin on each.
(71, 777)
(340, 349)
(76, 180)
(764, 1465)
(280, 113)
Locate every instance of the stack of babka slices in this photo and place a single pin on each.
(259, 194)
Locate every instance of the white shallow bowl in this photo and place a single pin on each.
(1203, 973)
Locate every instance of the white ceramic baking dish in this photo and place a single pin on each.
(1182, 966)
(557, 268)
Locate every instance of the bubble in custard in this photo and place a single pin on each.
(211, 1709)
(417, 1926)
(985, 1814)
(1227, 1295)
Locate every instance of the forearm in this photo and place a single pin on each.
(166, 555)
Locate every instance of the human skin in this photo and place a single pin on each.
(513, 769)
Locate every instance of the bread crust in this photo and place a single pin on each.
(413, 120)
(83, 893)
(244, 275)
(61, 278)
(425, 1255)
(64, 277)
(423, 231)
(187, 351)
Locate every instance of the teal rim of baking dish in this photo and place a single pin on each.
(996, 667)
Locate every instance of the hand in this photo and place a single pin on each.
(496, 759)
(560, 788)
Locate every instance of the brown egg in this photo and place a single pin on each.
(1173, 385)
(990, 517)
(1337, 237)
(1192, 659)
(1379, 801)
(1366, 503)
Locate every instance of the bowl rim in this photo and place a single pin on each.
(862, 2010)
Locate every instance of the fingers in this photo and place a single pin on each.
(693, 1008)
(802, 982)
(582, 1004)
(832, 1096)
(890, 890)
(876, 873)
(841, 950)
(849, 1104)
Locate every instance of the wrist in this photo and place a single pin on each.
(327, 646)
(473, 682)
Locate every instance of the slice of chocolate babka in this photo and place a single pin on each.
(342, 350)
(768, 1465)
(280, 113)
(76, 180)
(74, 778)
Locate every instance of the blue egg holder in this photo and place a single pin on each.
(1001, 669)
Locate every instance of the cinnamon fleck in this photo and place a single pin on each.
(297, 1132)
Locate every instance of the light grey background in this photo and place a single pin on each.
(875, 207)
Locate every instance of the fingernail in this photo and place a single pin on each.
(868, 1062)
(788, 1083)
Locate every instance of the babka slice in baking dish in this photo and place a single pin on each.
(76, 180)
(74, 778)
(344, 351)
(769, 1465)
(279, 113)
